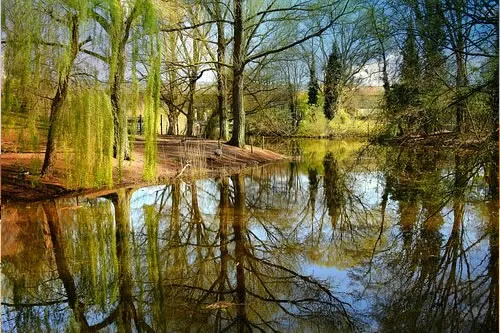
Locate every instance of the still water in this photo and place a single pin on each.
(340, 238)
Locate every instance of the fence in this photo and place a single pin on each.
(138, 123)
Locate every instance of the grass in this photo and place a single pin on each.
(194, 155)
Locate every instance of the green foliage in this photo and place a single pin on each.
(410, 68)
(314, 123)
(344, 124)
(22, 69)
(275, 121)
(87, 139)
(313, 89)
(134, 96)
(151, 110)
(332, 81)
(351, 125)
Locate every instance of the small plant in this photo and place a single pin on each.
(194, 155)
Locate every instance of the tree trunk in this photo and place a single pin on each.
(494, 99)
(461, 81)
(173, 117)
(238, 136)
(190, 110)
(385, 76)
(221, 78)
(59, 99)
(461, 75)
(121, 147)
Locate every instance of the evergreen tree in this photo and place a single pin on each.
(410, 67)
(403, 99)
(433, 38)
(312, 94)
(430, 26)
(332, 80)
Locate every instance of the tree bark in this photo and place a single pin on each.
(53, 221)
(190, 109)
(59, 99)
(238, 135)
(121, 147)
(173, 117)
(221, 77)
(461, 81)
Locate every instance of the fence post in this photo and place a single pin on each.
(161, 124)
(140, 124)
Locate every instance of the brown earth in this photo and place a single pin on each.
(177, 157)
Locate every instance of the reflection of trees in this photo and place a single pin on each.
(229, 254)
(126, 312)
(180, 269)
(434, 284)
(334, 196)
(88, 315)
(65, 274)
(250, 287)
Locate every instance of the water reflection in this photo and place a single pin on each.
(389, 240)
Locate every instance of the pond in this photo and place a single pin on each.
(342, 237)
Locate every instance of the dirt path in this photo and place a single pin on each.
(177, 157)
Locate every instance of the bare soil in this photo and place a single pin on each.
(178, 157)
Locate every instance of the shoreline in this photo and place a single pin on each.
(178, 157)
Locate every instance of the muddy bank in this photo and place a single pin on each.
(177, 158)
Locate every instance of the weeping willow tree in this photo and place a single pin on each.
(43, 43)
(152, 96)
(124, 22)
(151, 109)
(74, 15)
(23, 57)
(134, 95)
(88, 138)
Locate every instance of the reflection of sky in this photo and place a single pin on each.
(279, 219)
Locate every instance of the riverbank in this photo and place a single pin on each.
(438, 140)
(178, 157)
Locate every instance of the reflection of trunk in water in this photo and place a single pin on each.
(293, 181)
(222, 279)
(152, 220)
(196, 219)
(408, 212)
(121, 202)
(126, 310)
(175, 227)
(429, 244)
(311, 203)
(333, 188)
(493, 210)
(239, 225)
(491, 317)
(313, 189)
(65, 275)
